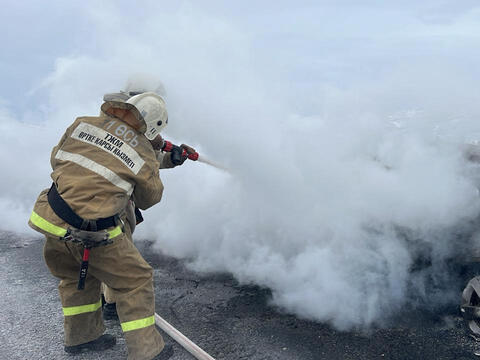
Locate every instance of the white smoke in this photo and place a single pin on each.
(341, 134)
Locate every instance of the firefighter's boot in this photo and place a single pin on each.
(104, 342)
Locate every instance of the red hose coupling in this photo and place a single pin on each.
(167, 146)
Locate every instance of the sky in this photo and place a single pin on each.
(342, 125)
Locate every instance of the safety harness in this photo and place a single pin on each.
(90, 233)
(65, 212)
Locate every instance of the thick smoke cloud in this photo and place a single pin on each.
(341, 126)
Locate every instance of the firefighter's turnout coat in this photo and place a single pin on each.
(99, 165)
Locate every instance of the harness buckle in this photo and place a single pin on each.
(89, 239)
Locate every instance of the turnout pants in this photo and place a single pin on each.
(130, 278)
(129, 222)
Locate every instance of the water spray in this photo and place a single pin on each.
(211, 163)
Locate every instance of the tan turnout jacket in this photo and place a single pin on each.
(98, 165)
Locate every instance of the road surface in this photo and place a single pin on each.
(228, 320)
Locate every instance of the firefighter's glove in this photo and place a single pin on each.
(177, 156)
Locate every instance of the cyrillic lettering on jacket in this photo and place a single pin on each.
(102, 139)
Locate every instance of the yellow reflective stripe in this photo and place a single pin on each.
(47, 226)
(138, 324)
(115, 232)
(53, 229)
(75, 310)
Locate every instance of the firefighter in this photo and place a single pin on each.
(99, 166)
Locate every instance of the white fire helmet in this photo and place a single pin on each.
(153, 110)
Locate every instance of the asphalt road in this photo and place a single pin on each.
(227, 320)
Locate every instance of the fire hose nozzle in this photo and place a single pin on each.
(168, 147)
(193, 157)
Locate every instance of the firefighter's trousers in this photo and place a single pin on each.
(109, 294)
(121, 267)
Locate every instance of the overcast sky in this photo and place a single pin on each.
(301, 41)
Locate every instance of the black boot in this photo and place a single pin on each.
(110, 311)
(104, 342)
(166, 353)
